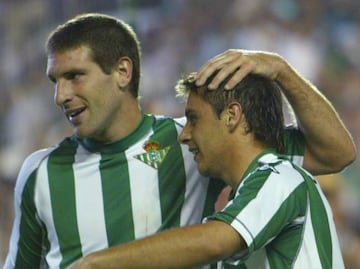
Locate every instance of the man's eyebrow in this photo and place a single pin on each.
(66, 73)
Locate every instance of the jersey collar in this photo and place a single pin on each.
(122, 144)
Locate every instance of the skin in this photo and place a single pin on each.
(329, 145)
(209, 137)
(206, 152)
(97, 105)
(200, 243)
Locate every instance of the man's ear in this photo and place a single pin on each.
(233, 115)
(123, 72)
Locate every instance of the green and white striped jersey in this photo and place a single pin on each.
(81, 196)
(283, 216)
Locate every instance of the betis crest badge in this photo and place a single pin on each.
(154, 155)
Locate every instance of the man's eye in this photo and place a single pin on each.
(53, 80)
(192, 120)
(191, 117)
(72, 76)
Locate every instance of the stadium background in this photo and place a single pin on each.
(321, 38)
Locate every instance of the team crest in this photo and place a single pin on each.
(154, 156)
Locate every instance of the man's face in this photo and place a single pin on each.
(204, 134)
(89, 98)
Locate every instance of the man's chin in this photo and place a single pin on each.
(203, 171)
(207, 171)
(80, 134)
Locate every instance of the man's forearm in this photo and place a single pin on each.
(178, 248)
(329, 146)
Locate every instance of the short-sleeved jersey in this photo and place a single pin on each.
(82, 196)
(284, 218)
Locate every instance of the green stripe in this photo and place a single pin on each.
(294, 142)
(30, 241)
(62, 193)
(247, 193)
(320, 223)
(283, 250)
(117, 198)
(216, 185)
(172, 177)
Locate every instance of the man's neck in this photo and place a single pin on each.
(239, 161)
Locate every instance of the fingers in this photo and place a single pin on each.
(232, 62)
(240, 73)
(213, 65)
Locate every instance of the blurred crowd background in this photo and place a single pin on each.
(321, 38)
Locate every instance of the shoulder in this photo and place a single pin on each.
(180, 121)
(34, 160)
(294, 144)
(30, 165)
(176, 120)
(168, 121)
(280, 166)
(274, 172)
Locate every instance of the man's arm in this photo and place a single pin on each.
(329, 145)
(25, 246)
(177, 248)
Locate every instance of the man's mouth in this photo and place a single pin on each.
(194, 151)
(73, 113)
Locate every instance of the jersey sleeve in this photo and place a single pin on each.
(294, 141)
(266, 203)
(25, 247)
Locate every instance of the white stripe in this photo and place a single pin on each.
(297, 159)
(196, 186)
(89, 202)
(145, 196)
(43, 204)
(195, 192)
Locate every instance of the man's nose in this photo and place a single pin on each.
(63, 92)
(184, 136)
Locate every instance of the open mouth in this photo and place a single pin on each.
(72, 114)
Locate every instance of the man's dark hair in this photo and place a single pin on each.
(260, 99)
(108, 38)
